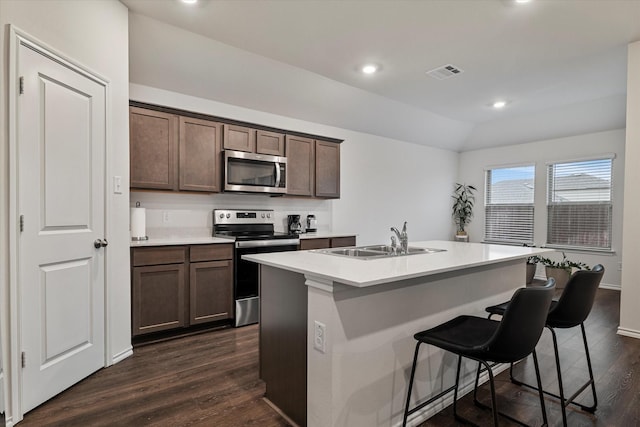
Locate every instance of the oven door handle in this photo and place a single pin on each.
(265, 243)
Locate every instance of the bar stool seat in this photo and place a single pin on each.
(570, 310)
(484, 340)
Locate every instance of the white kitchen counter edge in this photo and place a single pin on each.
(364, 273)
(169, 241)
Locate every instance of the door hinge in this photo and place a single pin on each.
(21, 84)
(21, 223)
(23, 358)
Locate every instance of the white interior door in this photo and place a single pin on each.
(61, 175)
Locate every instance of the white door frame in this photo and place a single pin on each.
(12, 369)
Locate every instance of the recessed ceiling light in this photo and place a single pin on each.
(190, 1)
(522, 1)
(369, 68)
(499, 104)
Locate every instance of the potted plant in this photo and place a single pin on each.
(561, 270)
(462, 210)
(532, 262)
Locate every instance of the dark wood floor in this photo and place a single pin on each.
(211, 379)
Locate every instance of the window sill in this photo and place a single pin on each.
(580, 249)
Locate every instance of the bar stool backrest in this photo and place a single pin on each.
(521, 324)
(577, 298)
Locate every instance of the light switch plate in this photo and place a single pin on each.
(117, 185)
(319, 336)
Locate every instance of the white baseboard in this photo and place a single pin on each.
(117, 358)
(628, 332)
(1, 391)
(609, 286)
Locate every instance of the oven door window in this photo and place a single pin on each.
(251, 172)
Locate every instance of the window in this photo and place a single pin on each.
(509, 205)
(579, 204)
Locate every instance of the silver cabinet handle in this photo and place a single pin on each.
(99, 243)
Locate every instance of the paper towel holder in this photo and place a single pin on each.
(139, 238)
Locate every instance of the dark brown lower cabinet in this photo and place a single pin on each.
(179, 286)
(211, 297)
(158, 298)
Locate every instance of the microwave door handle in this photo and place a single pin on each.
(277, 174)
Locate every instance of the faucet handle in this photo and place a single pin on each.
(404, 227)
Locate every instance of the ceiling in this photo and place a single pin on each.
(559, 64)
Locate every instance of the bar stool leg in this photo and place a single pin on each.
(545, 422)
(413, 372)
(455, 393)
(591, 379)
(559, 371)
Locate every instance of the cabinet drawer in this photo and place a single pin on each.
(159, 255)
(211, 252)
(306, 244)
(340, 242)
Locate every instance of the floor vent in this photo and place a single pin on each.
(444, 72)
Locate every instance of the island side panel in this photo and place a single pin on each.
(362, 378)
(283, 341)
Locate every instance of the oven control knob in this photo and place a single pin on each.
(228, 215)
(262, 215)
(268, 215)
(221, 215)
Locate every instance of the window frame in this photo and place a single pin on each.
(550, 191)
(487, 206)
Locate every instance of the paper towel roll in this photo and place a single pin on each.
(138, 223)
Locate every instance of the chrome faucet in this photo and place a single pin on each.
(402, 237)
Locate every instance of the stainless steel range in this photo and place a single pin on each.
(253, 232)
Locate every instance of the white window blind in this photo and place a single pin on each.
(509, 205)
(579, 204)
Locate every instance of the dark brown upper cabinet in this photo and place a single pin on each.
(239, 138)
(327, 170)
(153, 149)
(200, 161)
(269, 143)
(300, 165)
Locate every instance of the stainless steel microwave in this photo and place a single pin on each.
(254, 173)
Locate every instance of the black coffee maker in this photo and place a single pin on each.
(293, 224)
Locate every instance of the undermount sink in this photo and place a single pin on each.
(376, 251)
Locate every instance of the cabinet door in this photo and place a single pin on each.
(153, 149)
(200, 159)
(306, 244)
(239, 138)
(300, 165)
(269, 143)
(327, 170)
(211, 291)
(158, 301)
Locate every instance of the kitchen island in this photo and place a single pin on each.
(336, 333)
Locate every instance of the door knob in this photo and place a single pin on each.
(99, 243)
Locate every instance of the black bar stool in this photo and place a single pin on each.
(485, 340)
(569, 311)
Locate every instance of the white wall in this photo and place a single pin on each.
(93, 33)
(473, 164)
(629, 313)
(383, 182)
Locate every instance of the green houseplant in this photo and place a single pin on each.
(561, 270)
(462, 210)
(532, 262)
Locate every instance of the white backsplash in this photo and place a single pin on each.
(191, 215)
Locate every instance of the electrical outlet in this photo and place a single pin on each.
(319, 336)
(165, 216)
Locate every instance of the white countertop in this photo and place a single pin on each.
(363, 273)
(168, 241)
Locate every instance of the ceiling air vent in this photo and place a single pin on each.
(444, 72)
